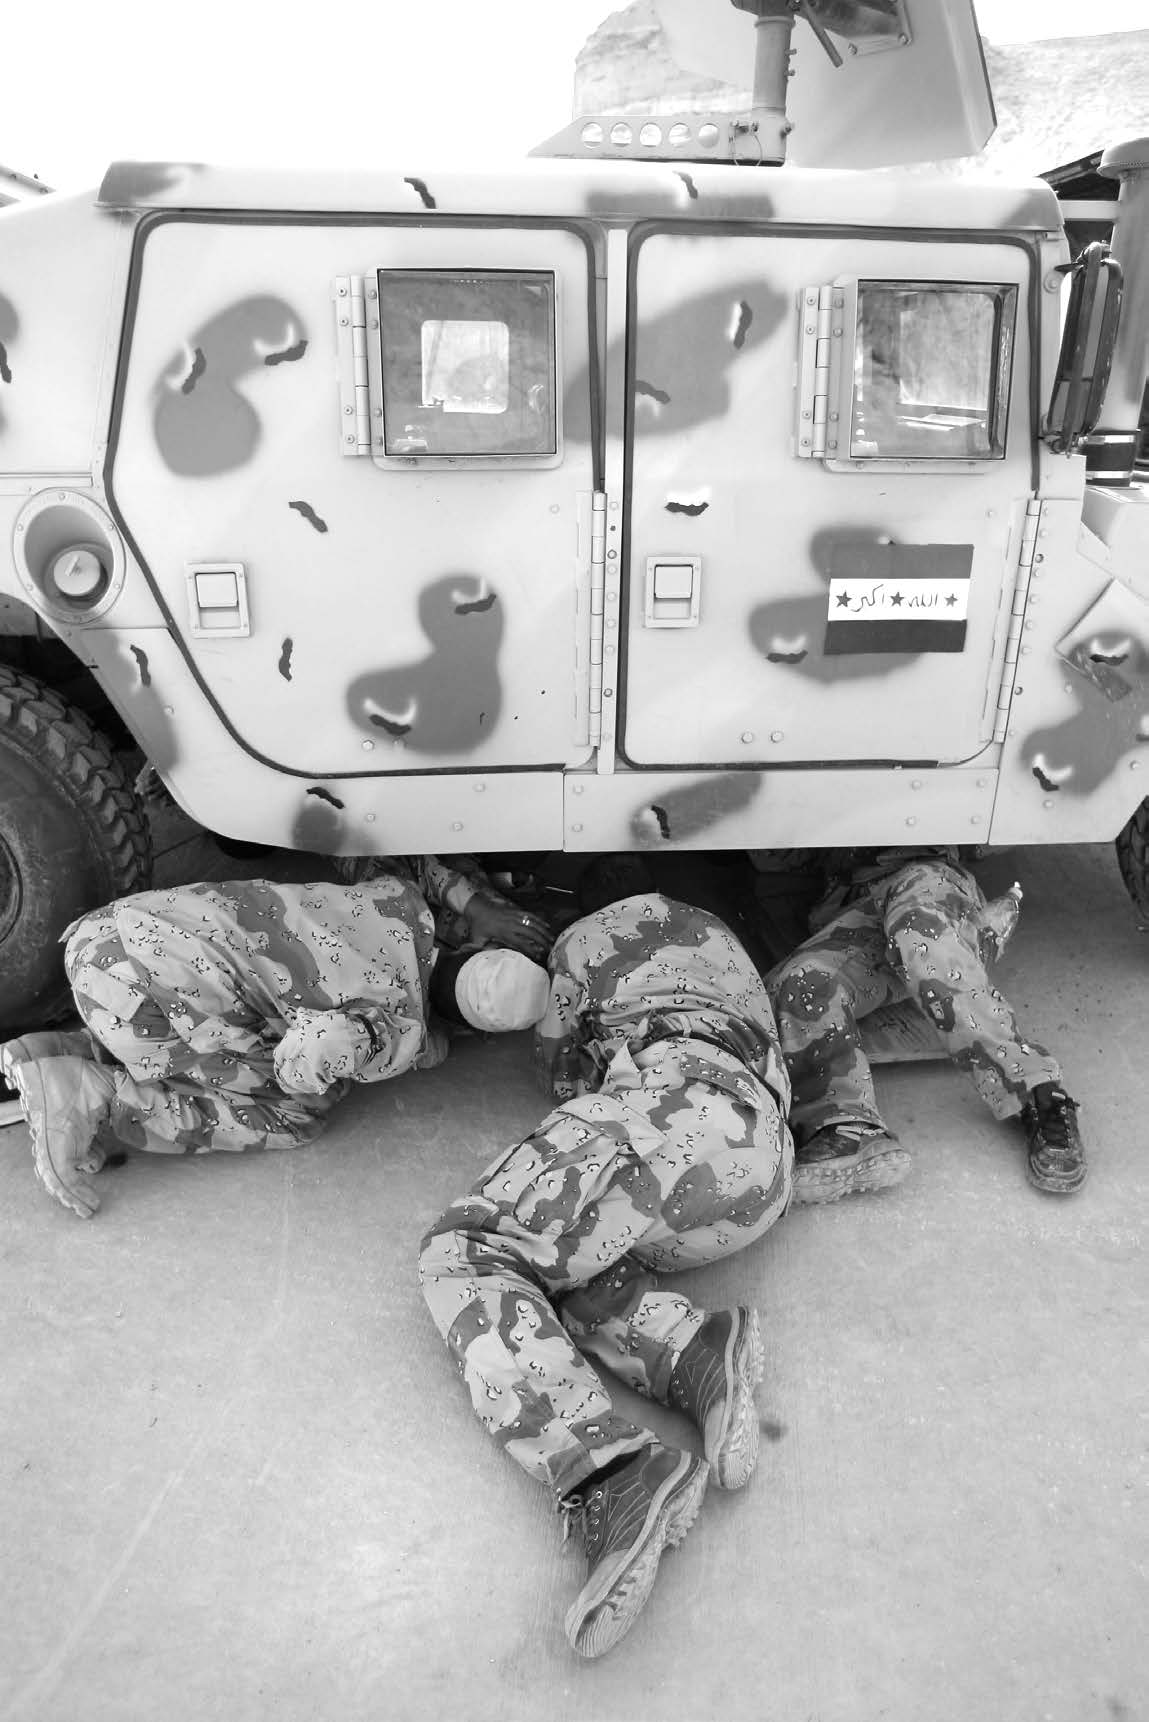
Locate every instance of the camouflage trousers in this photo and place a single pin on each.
(913, 934)
(681, 1158)
(205, 1100)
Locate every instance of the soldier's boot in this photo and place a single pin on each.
(65, 1100)
(845, 1160)
(52, 1043)
(713, 1382)
(627, 1518)
(997, 922)
(1056, 1153)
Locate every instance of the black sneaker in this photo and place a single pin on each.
(713, 1382)
(626, 1520)
(846, 1159)
(1056, 1159)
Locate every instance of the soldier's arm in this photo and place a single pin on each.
(489, 918)
(558, 1037)
(445, 886)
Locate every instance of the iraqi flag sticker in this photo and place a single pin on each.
(898, 598)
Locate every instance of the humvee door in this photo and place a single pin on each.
(354, 459)
(830, 457)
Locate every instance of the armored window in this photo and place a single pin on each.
(468, 364)
(931, 371)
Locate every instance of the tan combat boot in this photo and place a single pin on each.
(51, 1043)
(626, 1519)
(713, 1382)
(65, 1100)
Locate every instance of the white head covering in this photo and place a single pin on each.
(501, 990)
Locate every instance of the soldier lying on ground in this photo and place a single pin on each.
(237, 1015)
(897, 924)
(669, 1149)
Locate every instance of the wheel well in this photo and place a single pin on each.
(36, 651)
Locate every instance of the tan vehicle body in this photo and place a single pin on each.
(472, 651)
(630, 639)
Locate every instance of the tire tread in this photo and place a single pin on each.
(37, 722)
(1133, 857)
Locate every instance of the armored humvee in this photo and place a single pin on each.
(674, 498)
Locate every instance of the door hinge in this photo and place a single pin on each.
(590, 584)
(823, 322)
(1017, 615)
(597, 590)
(351, 361)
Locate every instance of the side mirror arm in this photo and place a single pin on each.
(1087, 345)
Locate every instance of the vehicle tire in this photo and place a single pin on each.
(73, 835)
(1133, 857)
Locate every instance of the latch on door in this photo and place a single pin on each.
(217, 599)
(673, 591)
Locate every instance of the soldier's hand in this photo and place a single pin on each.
(508, 926)
(320, 1047)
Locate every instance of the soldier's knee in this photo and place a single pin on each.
(806, 988)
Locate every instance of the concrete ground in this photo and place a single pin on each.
(239, 1480)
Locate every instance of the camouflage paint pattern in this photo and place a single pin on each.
(670, 1151)
(764, 687)
(9, 326)
(203, 421)
(450, 699)
(422, 637)
(910, 932)
(219, 1003)
(800, 196)
(674, 810)
(225, 442)
(1074, 759)
(692, 811)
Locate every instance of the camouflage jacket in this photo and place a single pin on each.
(847, 874)
(234, 963)
(448, 886)
(648, 969)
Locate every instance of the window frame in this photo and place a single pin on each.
(845, 347)
(466, 460)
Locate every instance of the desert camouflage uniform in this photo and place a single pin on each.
(902, 928)
(670, 1150)
(448, 886)
(192, 990)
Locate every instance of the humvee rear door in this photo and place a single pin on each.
(355, 459)
(790, 602)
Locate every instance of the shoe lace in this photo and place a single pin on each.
(1056, 1117)
(572, 1512)
(857, 1133)
(581, 1513)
